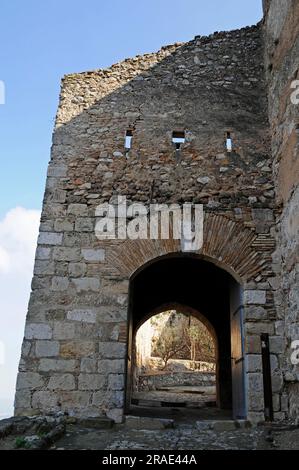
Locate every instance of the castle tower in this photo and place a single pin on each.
(188, 124)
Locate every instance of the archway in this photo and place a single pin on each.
(200, 286)
(174, 358)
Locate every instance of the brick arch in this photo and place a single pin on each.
(226, 243)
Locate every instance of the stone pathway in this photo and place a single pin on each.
(159, 434)
(184, 437)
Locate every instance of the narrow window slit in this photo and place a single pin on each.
(229, 142)
(128, 139)
(178, 139)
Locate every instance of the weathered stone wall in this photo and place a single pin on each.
(74, 350)
(282, 59)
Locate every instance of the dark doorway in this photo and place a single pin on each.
(201, 286)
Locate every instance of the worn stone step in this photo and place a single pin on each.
(141, 422)
(222, 425)
(96, 423)
(170, 404)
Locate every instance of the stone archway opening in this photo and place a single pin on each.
(193, 285)
(174, 360)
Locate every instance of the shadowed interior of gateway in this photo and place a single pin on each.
(196, 284)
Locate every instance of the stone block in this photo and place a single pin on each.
(50, 238)
(77, 269)
(262, 218)
(255, 313)
(255, 401)
(75, 402)
(44, 267)
(290, 377)
(116, 382)
(112, 314)
(279, 328)
(274, 362)
(101, 422)
(78, 210)
(87, 284)
(255, 297)
(284, 402)
(78, 348)
(88, 331)
(60, 283)
(277, 381)
(88, 365)
(54, 210)
(116, 414)
(253, 344)
(84, 316)
(44, 400)
(38, 331)
(255, 418)
(277, 344)
(22, 399)
(40, 283)
(114, 333)
(85, 224)
(108, 399)
(92, 255)
(257, 328)
(254, 363)
(63, 330)
(29, 380)
(91, 382)
(61, 268)
(224, 425)
(43, 253)
(26, 348)
(114, 366)
(276, 402)
(57, 195)
(57, 365)
(62, 253)
(61, 382)
(255, 382)
(112, 350)
(46, 226)
(44, 348)
(63, 225)
(279, 416)
(137, 422)
(206, 425)
(57, 170)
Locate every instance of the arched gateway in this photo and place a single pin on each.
(198, 285)
(172, 127)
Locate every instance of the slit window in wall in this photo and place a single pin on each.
(229, 142)
(178, 139)
(128, 139)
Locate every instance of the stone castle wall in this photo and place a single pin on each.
(282, 62)
(74, 350)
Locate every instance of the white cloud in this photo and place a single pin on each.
(4, 259)
(18, 235)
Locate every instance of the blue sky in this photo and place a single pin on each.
(42, 41)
